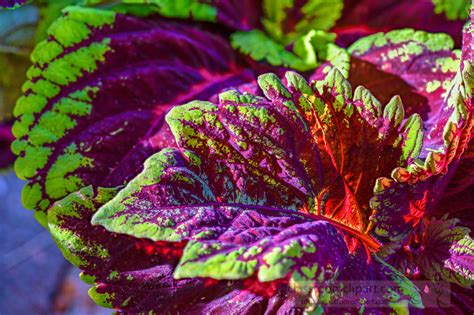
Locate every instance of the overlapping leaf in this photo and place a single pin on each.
(136, 275)
(363, 18)
(425, 71)
(236, 198)
(228, 238)
(129, 274)
(416, 65)
(315, 174)
(240, 215)
(286, 20)
(439, 250)
(293, 34)
(100, 87)
(237, 15)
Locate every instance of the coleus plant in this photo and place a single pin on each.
(262, 189)
(282, 33)
(364, 17)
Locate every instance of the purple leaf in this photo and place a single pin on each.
(130, 274)
(400, 62)
(458, 200)
(362, 18)
(97, 97)
(272, 169)
(239, 15)
(239, 219)
(439, 250)
(6, 138)
(136, 275)
(416, 65)
(460, 264)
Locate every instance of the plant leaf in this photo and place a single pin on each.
(363, 18)
(286, 20)
(237, 15)
(270, 170)
(402, 60)
(189, 211)
(6, 138)
(308, 51)
(129, 274)
(454, 10)
(136, 275)
(439, 250)
(461, 262)
(399, 63)
(260, 47)
(404, 298)
(167, 202)
(413, 191)
(100, 91)
(447, 252)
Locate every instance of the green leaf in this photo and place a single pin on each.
(197, 10)
(286, 20)
(308, 51)
(260, 47)
(453, 9)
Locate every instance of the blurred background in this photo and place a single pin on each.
(34, 276)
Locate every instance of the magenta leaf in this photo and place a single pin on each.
(236, 15)
(362, 18)
(400, 62)
(265, 216)
(313, 175)
(460, 265)
(136, 275)
(6, 138)
(97, 97)
(184, 208)
(439, 250)
(416, 65)
(251, 198)
(129, 274)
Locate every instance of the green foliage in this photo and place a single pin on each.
(453, 9)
